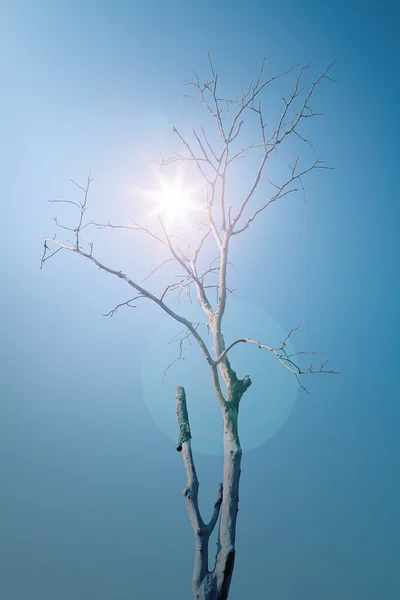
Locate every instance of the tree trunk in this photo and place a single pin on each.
(230, 502)
(214, 584)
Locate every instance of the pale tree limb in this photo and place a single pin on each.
(285, 358)
(182, 260)
(135, 227)
(281, 132)
(157, 268)
(180, 341)
(76, 248)
(143, 292)
(250, 101)
(202, 531)
(112, 312)
(282, 191)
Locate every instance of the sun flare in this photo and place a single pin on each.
(174, 201)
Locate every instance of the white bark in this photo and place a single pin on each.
(214, 584)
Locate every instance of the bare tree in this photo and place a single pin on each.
(213, 156)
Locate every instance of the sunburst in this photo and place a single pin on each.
(174, 201)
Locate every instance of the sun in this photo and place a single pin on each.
(174, 202)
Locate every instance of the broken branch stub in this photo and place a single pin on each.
(183, 418)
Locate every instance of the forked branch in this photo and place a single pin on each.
(201, 530)
(283, 356)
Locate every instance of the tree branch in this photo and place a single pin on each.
(135, 227)
(203, 300)
(201, 531)
(142, 291)
(282, 356)
(127, 303)
(282, 191)
(193, 156)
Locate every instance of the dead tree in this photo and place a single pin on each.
(222, 224)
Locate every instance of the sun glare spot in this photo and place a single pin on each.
(174, 201)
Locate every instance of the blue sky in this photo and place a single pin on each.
(91, 503)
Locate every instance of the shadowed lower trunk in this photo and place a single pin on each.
(213, 584)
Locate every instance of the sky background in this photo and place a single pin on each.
(90, 497)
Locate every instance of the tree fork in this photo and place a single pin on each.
(215, 584)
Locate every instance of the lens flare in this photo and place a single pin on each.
(174, 201)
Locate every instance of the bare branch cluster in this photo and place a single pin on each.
(180, 338)
(287, 359)
(229, 117)
(222, 222)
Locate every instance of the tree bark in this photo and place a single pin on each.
(213, 584)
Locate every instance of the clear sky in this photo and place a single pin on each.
(90, 503)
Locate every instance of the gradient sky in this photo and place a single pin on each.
(91, 504)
